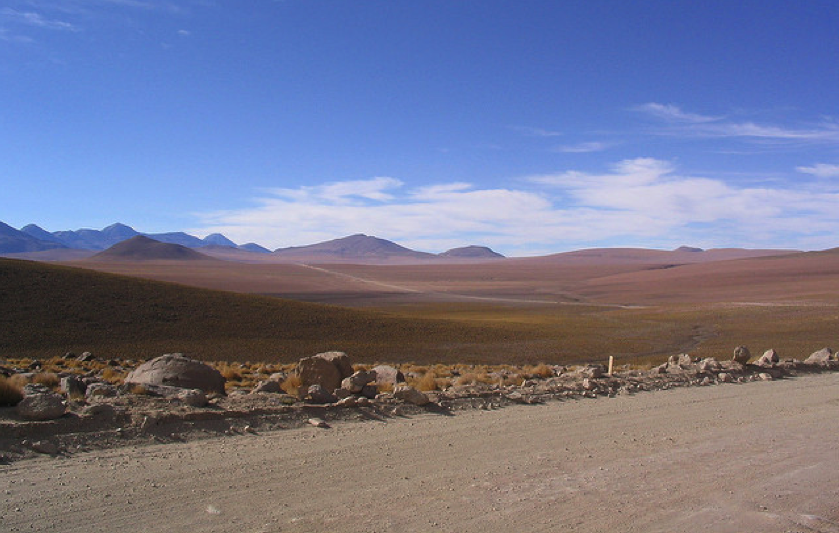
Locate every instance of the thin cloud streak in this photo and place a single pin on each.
(638, 202)
(31, 18)
(685, 124)
(821, 170)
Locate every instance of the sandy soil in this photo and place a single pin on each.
(760, 456)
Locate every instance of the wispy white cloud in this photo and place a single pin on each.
(821, 170)
(31, 18)
(682, 123)
(638, 202)
(674, 113)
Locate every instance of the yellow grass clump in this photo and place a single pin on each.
(291, 384)
(10, 392)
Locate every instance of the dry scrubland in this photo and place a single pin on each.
(508, 312)
(524, 311)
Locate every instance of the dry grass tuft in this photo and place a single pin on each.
(139, 389)
(428, 382)
(291, 384)
(48, 379)
(10, 393)
(113, 376)
(542, 371)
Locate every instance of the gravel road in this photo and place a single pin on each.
(760, 456)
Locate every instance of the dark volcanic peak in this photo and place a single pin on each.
(141, 248)
(40, 233)
(119, 232)
(355, 246)
(15, 241)
(472, 252)
(688, 249)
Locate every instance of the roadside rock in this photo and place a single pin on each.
(317, 394)
(325, 369)
(73, 386)
(742, 355)
(410, 395)
(358, 380)
(193, 397)
(592, 371)
(709, 364)
(85, 357)
(388, 375)
(44, 446)
(268, 386)
(101, 390)
(822, 357)
(318, 423)
(178, 371)
(39, 403)
(769, 358)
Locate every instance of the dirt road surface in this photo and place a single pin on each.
(761, 456)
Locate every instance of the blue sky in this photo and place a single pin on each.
(529, 126)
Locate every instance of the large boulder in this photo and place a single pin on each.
(388, 375)
(410, 395)
(742, 355)
(176, 370)
(317, 394)
(40, 403)
(769, 358)
(822, 357)
(358, 380)
(325, 369)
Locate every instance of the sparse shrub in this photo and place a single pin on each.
(111, 375)
(10, 393)
(385, 387)
(291, 384)
(428, 382)
(48, 379)
(541, 371)
(473, 378)
(19, 380)
(138, 389)
(230, 372)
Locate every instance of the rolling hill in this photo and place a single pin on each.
(472, 252)
(49, 310)
(141, 248)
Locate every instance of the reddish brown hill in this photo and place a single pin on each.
(141, 248)
(358, 247)
(806, 276)
(644, 256)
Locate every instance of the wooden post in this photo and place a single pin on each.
(611, 363)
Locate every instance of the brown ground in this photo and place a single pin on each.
(759, 456)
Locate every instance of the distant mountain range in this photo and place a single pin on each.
(91, 239)
(359, 247)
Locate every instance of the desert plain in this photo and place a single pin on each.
(749, 456)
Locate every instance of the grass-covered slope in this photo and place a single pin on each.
(48, 310)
